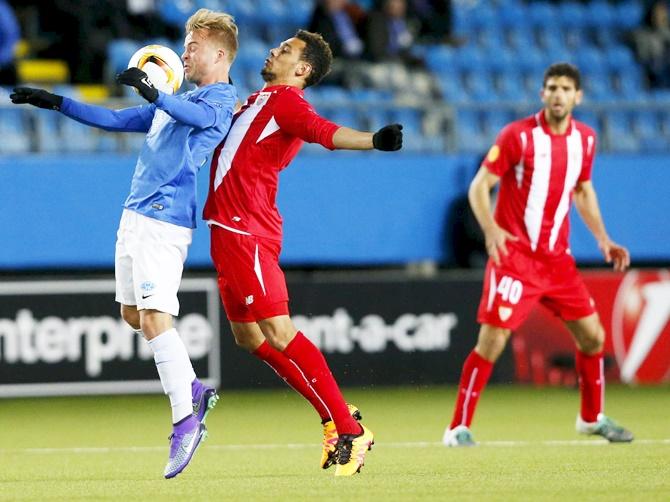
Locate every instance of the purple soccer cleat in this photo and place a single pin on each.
(204, 399)
(184, 441)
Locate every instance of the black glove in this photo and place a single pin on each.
(136, 78)
(388, 138)
(36, 97)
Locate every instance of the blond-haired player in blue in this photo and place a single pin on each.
(159, 214)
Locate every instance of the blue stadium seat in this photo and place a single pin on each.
(81, 138)
(471, 58)
(175, 12)
(591, 61)
(602, 14)
(479, 86)
(510, 86)
(376, 118)
(119, 52)
(13, 131)
(541, 14)
(550, 38)
(491, 39)
(572, 14)
(47, 126)
(332, 95)
(575, 38)
(619, 57)
(597, 88)
(520, 38)
(647, 126)
(470, 133)
(503, 59)
(589, 117)
(299, 12)
(271, 12)
(370, 96)
(629, 14)
(216, 5)
(344, 116)
(665, 125)
(410, 118)
(512, 16)
(494, 121)
(452, 89)
(531, 60)
(619, 132)
(439, 58)
(628, 83)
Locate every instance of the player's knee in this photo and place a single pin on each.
(279, 339)
(491, 342)
(246, 342)
(594, 341)
(131, 316)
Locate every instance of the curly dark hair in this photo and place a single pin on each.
(317, 53)
(563, 70)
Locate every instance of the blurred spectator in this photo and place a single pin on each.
(390, 33)
(434, 17)
(652, 44)
(9, 36)
(340, 23)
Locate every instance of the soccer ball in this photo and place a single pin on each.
(162, 65)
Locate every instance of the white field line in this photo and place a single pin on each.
(301, 446)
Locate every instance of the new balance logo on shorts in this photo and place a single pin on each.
(248, 300)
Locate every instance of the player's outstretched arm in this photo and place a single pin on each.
(479, 196)
(200, 114)
(136, 119)
(586, 202)
(388, 139)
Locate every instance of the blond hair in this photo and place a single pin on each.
(220, 26)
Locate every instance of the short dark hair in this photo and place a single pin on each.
(317, 53)
(563, 70)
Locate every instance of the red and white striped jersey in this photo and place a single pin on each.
(539, 171)
(265, 136)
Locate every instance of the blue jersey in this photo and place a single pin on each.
(182, 131)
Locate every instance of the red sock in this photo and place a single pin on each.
(476, 372)
(311, 363)
(590, 370)
(290, 374)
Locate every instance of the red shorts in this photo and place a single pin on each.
(251, 284)
(512, 289)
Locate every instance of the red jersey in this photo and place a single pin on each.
(265, 136)
(539, 171)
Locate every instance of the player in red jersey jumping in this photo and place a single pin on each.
(246, 232)
(542, 162)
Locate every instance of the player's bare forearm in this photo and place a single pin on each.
(479, 196)
(586, 202)
(351, 139)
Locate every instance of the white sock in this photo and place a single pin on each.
(175, 371)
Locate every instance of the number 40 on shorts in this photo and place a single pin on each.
(510, 289)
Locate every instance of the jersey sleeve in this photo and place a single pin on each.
(506, 152)
(295, 116)
(589, 148)
(134, 119)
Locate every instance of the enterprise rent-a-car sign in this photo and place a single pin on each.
(67, 337)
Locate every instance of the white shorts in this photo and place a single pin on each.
(149, 261)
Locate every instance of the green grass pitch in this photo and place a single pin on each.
(265, 445)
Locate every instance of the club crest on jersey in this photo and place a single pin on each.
(262, 98)
(504, 313)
